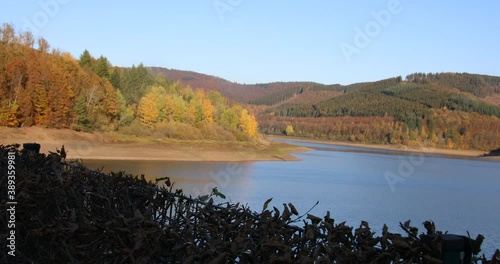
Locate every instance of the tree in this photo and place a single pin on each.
(41, 105)
(127, 113)
(248, 124)
(179, 108)
(207, 111)
(169, 107)
(194, 113)
(148, 111)
(27, 39)
(229, 118)
(150, 106)
(289, 130)
(111, 104)
(101, 67)
(85, 59)
(134, 83)
(114, 78)
(82, 121)
(7, 34)
(43, 45)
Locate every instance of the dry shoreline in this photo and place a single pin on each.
(425, 150)
(97, 146)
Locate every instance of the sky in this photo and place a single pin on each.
(275, 40)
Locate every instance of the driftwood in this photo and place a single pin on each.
(67, 213)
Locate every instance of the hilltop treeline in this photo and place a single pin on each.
(50, 88)
(478, 85)
(412, 112)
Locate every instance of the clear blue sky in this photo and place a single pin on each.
(263, 41)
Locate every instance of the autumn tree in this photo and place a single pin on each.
(7, 34)
(43, 45)
(248, 123)
(208, 112)
(179, 108)
(229, 118)
(111, 105)
(27, 39)
(149, 106)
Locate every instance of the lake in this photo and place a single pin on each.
(354, 184)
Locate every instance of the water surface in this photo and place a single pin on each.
(354, 184)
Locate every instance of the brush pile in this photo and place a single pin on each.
(68, 214)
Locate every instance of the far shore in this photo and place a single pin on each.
(98, 146)
(403, 148)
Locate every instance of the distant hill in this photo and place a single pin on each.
(444, 110)
(394, 97)
(483, 87)
(244, 93)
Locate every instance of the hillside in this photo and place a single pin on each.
(435, 111)
(269, 94)
(50, 88)
(239, 92)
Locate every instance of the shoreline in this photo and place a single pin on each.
(157, 153)
(107, 146)
(468, 154)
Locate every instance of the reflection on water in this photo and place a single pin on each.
(194, 178)
(459, 195)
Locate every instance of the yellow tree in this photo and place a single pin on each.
(179, 104)
(147, 110)
(169, 107)
(111, 103)
(248, 124)
(208, 111)
(194, 112)
(41, 104)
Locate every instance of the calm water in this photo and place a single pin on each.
(354, 184)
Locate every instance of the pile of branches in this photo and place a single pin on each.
(68, 213)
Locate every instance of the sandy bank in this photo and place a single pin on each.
(425, 150)
(81, 145)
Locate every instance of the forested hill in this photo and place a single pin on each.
(438, 110)
(244, 93)
(487, 88)
(395, 96)
(49, 88)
